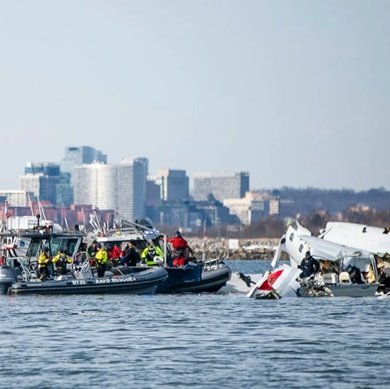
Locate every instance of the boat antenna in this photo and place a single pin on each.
(30, 204)
(66, 223)
(41, 208)
(83, 215)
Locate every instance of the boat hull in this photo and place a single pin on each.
(210, 281)
(145, 282)
(353, 290)
(192, 278)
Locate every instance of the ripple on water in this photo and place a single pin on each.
(193, 340)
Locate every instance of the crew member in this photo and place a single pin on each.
(43, 264)
(92, 249)
(60, 261)
(383, 278)
(181, 249)
(308, 265)
(114, 254)
(130, 256)
(152, 255)
(101, 258)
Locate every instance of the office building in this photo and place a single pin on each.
(14, 198)
(80, 155)
(221, 186)
(119, 187)
(174, 185)
(40, 181)
(253, 206)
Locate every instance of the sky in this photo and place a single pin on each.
(295, 92)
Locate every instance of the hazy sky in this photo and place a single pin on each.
(297, 93)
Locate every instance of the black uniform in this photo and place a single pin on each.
(308, 266)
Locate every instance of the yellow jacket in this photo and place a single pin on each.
(101, 256)
(43, 259)
(62, 257)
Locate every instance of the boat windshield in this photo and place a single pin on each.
(64, 244)
(33, 248)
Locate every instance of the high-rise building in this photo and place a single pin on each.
(75, 156)
(40, 180)
(120, 187)
(221, 186)
(131, 187)
(80, 155)
(174, 185)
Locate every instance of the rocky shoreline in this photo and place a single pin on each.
(261, 248)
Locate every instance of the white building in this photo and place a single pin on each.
(253, 206)
(15, 198)
(120, 187)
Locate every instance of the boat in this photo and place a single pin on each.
(18, 268)
(197, 276)
(82, 281)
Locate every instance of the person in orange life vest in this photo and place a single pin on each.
(181, 249)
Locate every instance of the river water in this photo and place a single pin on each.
(205, 340)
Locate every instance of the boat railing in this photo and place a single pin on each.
(213, 264)
(29, 273)
(84, 271)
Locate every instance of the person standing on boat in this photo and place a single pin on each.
(383, 278)
(130, 256)
(92, 249)
(43, 264)
(181, 249)
(114, 254)
(61, 260)
(308, 265)
(101, 258)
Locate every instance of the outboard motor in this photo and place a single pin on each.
(7, 278)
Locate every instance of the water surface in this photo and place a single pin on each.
(204, 340)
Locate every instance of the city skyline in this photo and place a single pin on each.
(295, 93)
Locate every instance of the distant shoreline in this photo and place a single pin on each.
(235, 249)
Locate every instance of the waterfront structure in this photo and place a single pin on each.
(221, 185)
(121, 187)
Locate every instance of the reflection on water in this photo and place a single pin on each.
(206, 340)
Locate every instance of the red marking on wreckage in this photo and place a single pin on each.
(271, 279)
